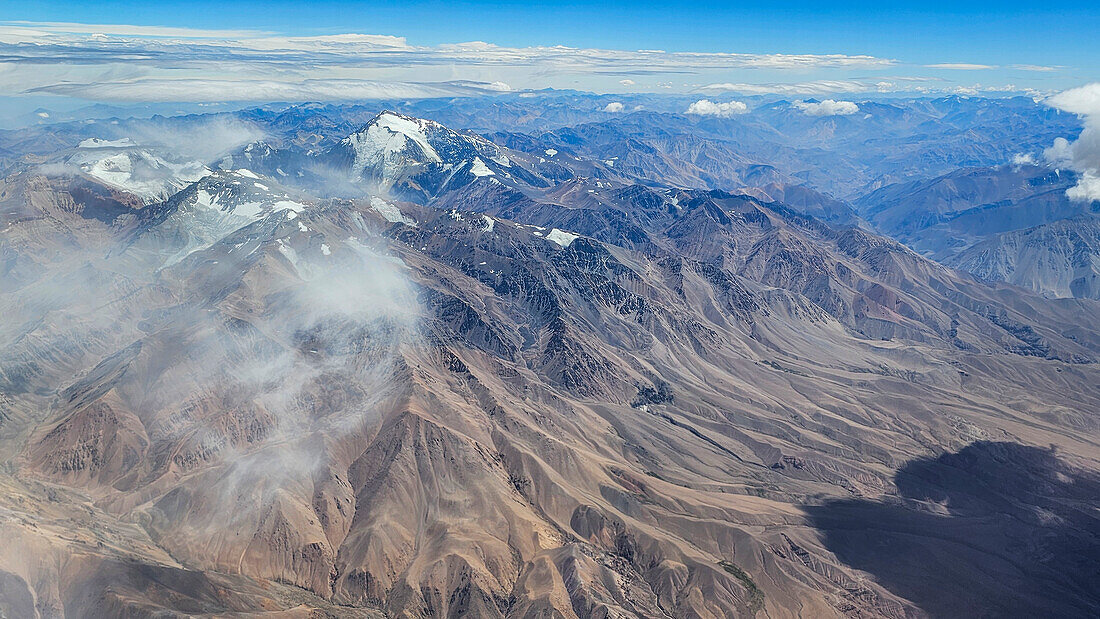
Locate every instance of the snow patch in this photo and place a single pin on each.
(389, 212)
(561, 237)
(288, 205)
(101, 143)
(204, 199)
(287, 251)
(249, 210)
(479, 169)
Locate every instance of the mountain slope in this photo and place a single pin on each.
(1059, 259)
(944, 215)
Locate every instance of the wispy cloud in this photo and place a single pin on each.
(960, 66)
(1035, 67)
(819, 87)
(38, 29)
(34, 43)
(199, 90)
(894, 84)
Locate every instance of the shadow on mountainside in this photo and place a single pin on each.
(995, 530)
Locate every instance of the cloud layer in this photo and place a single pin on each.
(155, 64)
(139, 63)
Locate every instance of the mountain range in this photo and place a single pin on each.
(358, 364)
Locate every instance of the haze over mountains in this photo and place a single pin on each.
(524, 357)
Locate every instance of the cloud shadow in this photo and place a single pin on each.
(994, 530)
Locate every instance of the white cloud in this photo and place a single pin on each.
(38, 29)
(706, 107)
(1059, 152)
(828, 107)
(1035, 67)
(915, 84)
(1083, 154)
(613, 107)
(626, 82)
(71, 42)
(1087, 188)
(1083, 101)
(810, 61)
(200, 90)
(960, 66)
(1023, 159)
(818, 87)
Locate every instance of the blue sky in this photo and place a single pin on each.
(235, 51)
(1019, 32)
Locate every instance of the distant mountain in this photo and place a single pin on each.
(940, 214)
(807, 201)
(844, 156)
(417, 159)
(406, 155)
(133, 168)
(1007, 223)
(212, 208)
(1059, 259)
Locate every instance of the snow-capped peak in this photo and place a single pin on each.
(240, 194)
(414, 158)
(390, 137)
(136, 170)
(222, 202)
